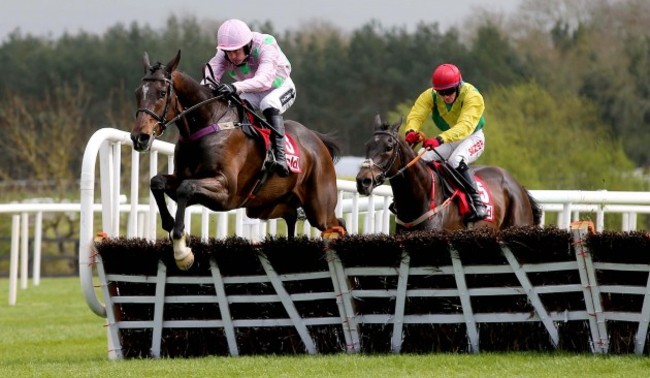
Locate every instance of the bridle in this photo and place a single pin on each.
(160, 119)
(383, 176)
(379, 179)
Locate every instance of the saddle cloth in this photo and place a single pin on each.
(291, 150)
(451, 185)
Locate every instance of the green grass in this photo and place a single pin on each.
(52, 333)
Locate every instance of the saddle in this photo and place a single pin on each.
(452, 186)
(257, 128)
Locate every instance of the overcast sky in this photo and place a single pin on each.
(50, 18)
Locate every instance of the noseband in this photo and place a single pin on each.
(161, 119)
(369, 163)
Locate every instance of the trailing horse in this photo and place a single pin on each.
(427, 197)
(219, 160)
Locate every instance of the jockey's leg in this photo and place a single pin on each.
(479, 209)
(274, 118)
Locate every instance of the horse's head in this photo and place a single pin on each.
(156, 101)
(382, 151)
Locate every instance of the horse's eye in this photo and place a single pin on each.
(163, 94)
(388, 148)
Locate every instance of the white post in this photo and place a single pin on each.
(153, 215)
(600, 219)
(132, 226)
(273, 227)
(24, 253)
(369, 224)
(239, 222)
(385, 226)
(354, 224)
(222, 224)
(205, 224)
(13, 262)
(38, 236)
(625, 222)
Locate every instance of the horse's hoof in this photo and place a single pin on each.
(185, 263)
(333, 233)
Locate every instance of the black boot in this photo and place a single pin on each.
(479, 211)
(277, 141)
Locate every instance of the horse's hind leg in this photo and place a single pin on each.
(320, 214)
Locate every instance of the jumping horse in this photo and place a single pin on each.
(424, 199)
(217, 163)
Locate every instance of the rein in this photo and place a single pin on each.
(408, 165)
(193, 107)
(428, 215)
(369, 163)
(433, 209)
(162, 119)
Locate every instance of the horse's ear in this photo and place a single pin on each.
(377, 124)
(395, 126)
(145, 62)
(173, 64)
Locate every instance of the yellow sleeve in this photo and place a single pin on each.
(420, 111)
(469, 117)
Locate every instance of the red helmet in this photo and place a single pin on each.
(446, 76)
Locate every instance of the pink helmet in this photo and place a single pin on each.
(446, 76)
(233, 34)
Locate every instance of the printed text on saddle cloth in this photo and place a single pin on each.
(486, 197)
(291, 153)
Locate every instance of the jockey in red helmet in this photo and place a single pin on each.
(456, 108)
(261, 74)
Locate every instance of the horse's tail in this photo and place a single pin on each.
(331, 143)
(537, 210)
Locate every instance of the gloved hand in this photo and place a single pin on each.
(412, 137)
(226, 90)
(432, 143)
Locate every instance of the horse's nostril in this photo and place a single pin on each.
(141, 139)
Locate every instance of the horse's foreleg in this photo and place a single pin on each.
(182, 253)
(291, 220)
(208, 192)
(159, 185)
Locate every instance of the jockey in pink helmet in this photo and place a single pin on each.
(456, 108)
(261, 75)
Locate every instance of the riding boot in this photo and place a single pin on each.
(277, 141)
(479, 211)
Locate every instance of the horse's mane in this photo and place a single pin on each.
(195, 84)
(155, 67)
(386, 127)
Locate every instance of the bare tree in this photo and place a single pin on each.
(43, 138)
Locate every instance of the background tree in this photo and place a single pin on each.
(42, 139)
(596, 49)
(591, 54)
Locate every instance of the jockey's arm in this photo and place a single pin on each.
(262, 81)
(217, 65)
(420, 111)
